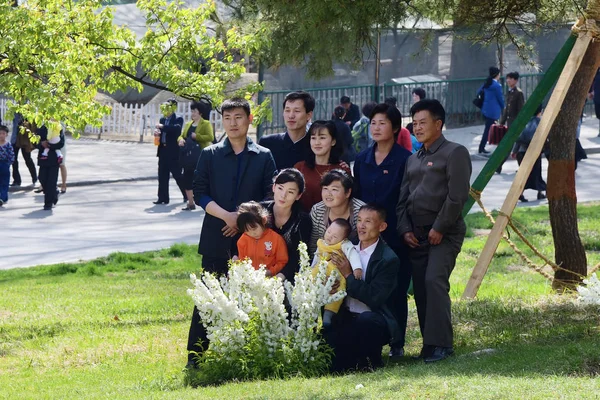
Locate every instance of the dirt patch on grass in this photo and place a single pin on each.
(482, 232)
(5, 314)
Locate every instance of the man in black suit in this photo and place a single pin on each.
(168, 130)
(366, 322)
(229, 173)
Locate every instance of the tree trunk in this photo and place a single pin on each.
(562, 198)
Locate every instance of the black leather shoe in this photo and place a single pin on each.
(189, 207)
(425, 352)
(439, 354)
(160, 202)
(191, 365)
(499, 170)
(47, 208)
(396, 352)
(15, 184)
(541, 196)
(523, 199)
(484, 151)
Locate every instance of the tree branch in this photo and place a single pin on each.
(146, 83)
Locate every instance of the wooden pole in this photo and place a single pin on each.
(533, 152)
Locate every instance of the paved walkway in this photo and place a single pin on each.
(93, 219)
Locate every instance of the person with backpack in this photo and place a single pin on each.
(492, 106)
(195, 135)
(361, 132)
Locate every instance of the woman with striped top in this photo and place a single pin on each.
(336, 190)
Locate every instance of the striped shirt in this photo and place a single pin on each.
(320, 222)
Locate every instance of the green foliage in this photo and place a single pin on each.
(64, 52)
(316, 34)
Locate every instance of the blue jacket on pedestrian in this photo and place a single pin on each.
(493, 101)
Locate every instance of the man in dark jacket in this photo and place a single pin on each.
(434, 190)
(292, 146)
(352, 111)
(515, 100)
(49, 166)
(228, 173)
(168, 129)
(366, 322)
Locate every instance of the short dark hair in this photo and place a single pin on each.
(309, 101)
(339, 112)
(336, 150)
(434, 107)
(380, 210)
(513, 75)
(419, 92)
(338, 175)
(344, 224)
(4, 128)
(236, 102)
(392, 101)
(250, 215)
(539, 109)
(367, 109)
(290, 175)
(345, 100)
(391, 113)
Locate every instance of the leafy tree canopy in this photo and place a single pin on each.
(56, 55)
(315, 33)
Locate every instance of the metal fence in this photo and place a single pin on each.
(138, 120)
(456, 96)
(132, 121)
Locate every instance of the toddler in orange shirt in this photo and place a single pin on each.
(259, 243)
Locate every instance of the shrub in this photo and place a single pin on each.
(251, 334)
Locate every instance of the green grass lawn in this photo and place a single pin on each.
(116, 327)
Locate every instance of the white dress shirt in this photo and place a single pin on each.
(354, 305)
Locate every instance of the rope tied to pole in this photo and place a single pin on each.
(587, 25)
(476, 195)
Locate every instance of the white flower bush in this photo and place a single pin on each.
(251, 334)
(590, 293)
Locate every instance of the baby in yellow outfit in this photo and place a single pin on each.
(54, 129)
(336, 240)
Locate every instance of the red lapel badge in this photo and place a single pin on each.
(430, 164)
